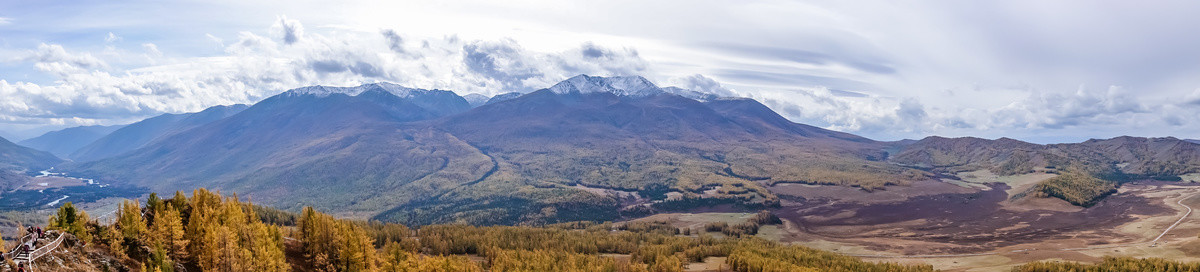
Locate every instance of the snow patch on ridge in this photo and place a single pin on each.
(633, 86)
(325, 91)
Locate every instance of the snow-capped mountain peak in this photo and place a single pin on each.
(324, 91)
(635, 86)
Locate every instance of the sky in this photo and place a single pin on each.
(1039, 71)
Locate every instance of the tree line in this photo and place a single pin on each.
(210, 232)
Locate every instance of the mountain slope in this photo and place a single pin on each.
(342, 148)
(13, 156)
(502, 97)
(63, 142)
(758, 118)
(16, 161)
(423, 157)
(623, 134)
(475, 99)
(1090, 170)
(1139, 157)
(1003, 156)
(138, 134)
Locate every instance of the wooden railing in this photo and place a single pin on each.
(28, 257)
(13, 252)
(42, 251)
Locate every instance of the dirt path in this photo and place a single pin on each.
(1185, 215)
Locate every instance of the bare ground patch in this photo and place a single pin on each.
(968, 222)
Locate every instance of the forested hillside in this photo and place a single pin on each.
(209, 232)
(1110, 264)
(1089, 170)
(213, 233)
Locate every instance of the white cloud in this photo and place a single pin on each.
(1056, 111)
(54, 59)
(111, 38)
(1193, 98)
(87, 90)
(703, 84)
(290, 31)
(220, 43)
(395, 42)
(152, 50)
(5, 21)
(886, 71)
(869, 114)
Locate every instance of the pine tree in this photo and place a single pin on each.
(339, 244)
(160, 260)
(168, 231)
(130, 221)
(266, 247)
(224, 234)
(180, 203)
(154, 205)
(71, 220)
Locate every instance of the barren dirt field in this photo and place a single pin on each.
(966, 228)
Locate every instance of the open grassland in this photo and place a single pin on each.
(1011, 232)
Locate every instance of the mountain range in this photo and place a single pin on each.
(136, 135)
(420, 156)
(587, 148)
(63, 142)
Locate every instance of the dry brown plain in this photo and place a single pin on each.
(975, 225)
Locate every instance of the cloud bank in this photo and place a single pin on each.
(1032, 70)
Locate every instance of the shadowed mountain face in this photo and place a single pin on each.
(136, 135)
(63, 142)
(758, 118)
(13, 156)
(17, 161)
(340, 148)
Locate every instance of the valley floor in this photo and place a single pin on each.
(976, 225)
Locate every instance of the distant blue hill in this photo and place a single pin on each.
(63, 142)
(136, 135)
